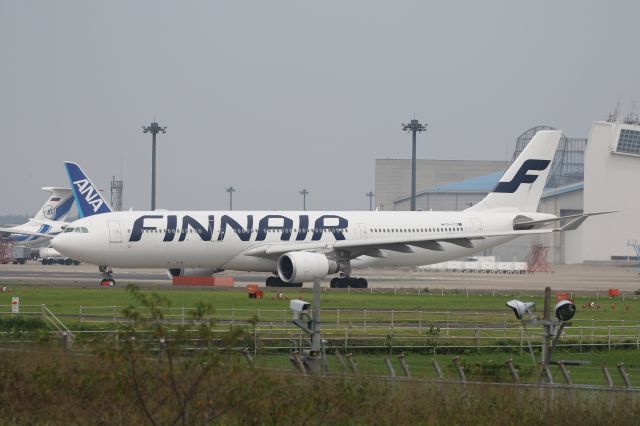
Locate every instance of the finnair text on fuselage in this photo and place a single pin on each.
(289, 228)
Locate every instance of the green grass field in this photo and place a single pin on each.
(406, 308)
(69, 300)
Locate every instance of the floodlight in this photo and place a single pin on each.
(520, 309)
(565, 310)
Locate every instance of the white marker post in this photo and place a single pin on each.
(15, 305)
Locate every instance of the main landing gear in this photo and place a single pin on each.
(107, 276)
(345, 281)
(275, 281)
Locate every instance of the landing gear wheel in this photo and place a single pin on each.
(274, 281)
(346, 281)
(107, 276)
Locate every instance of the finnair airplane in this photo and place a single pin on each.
(49, 220)
(302, 246)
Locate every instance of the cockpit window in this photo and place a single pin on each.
(84, 230)
(68, 229)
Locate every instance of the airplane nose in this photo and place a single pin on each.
(62, 244)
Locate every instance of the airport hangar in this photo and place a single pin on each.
(588, 175)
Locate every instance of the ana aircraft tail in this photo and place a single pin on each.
(57, 206)
(87, 196)
(520, 188)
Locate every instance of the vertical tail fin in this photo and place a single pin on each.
(520, 188)
(87, 196)
(57, 206)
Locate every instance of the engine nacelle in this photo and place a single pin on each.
(301, 266)
(192, 272)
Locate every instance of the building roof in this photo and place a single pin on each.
(483, 183)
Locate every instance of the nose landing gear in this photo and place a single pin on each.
(107, 276)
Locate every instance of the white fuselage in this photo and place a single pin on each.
(222, 240)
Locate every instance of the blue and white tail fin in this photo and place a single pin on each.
(87, 196)
(57, 206)
(520, 188)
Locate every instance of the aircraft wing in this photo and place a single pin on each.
(7, 232)
(374, 246)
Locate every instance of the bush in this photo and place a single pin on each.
(21, 324)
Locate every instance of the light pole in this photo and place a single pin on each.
(304, 193)
(230, 190)
(414, 127)
(370, 194)
(154, 129)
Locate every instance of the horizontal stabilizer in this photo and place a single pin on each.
(574, 221)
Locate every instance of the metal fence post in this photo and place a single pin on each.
(546, 374)
(609, 338)
(565, 373)
(437, 369)
(255, 339)
(43, 312)
(460, 368)
(607, 376)
(365, 323)
(247, 356)
(581, 338)
(504, 317)
(448, 312)
(514, 372)
(346, 339)
(521, 338)
(352, 363)
(404, 365)
(114, 313)
(392, 372)
(625, 376)
(182, 316)
(297, 362)
(477, 338)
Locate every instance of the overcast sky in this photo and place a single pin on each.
(274, 96)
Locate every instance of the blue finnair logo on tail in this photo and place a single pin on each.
(522, 176)
(88, 198)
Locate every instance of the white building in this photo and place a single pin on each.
(612, 173)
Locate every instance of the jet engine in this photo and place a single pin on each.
(192, 272)
(301, 266)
